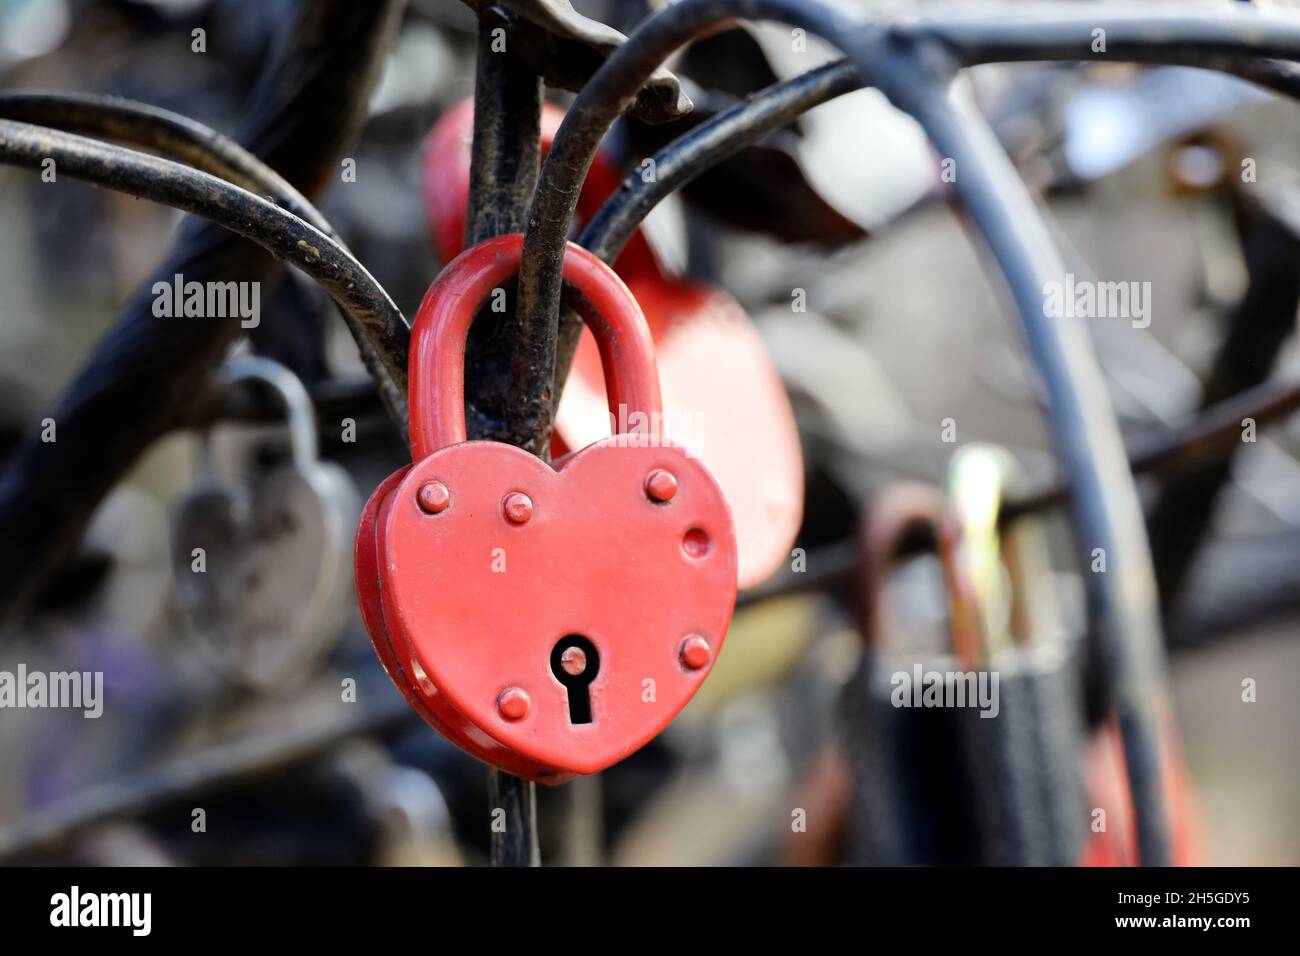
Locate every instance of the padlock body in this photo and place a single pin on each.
(477, 602)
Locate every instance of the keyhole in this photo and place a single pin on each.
(575, 663)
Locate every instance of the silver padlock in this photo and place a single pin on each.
(263, 564)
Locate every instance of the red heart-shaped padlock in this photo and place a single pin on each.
(549, 621)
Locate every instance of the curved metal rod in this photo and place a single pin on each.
(380, 329)
(1151, 34)
(170, 134)
(716, 139)
(187, 141)
(691, 154)
(609, 93)
(1211, 435)
(1249, 43)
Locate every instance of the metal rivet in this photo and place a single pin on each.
(513, 703)
(696, 544)
(695, 652)
(433, 497)
(661, 485)
(518, 507)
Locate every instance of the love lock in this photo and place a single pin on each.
(547, 620)
(261, 565)
(725, 397)
(908, 802)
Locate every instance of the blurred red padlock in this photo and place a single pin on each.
(1113, 837)
(447, 158)
(549, 621)
(723, 396)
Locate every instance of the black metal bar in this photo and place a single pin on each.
(377, 325)
(501, 391)
(169, 134)
(691, 154)
(506, 150)
(1233, 40)
(503, 170)
(187, 141)
(1210, 437)
(334, 399)
(1223, 39)
(713, 141)
(1257, 329)
(1242, 42)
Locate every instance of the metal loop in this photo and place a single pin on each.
(899, 512)
(437, 363)
(297, 405)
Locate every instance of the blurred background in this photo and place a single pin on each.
(905, 326)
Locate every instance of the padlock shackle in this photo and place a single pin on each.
(298, 409)
(897, 514)
(437, 356)
(1013, 609)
